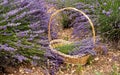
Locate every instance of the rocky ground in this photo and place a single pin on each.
(101, 65)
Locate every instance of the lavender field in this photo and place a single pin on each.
(59, 37)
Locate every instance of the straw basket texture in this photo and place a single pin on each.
(72, 59)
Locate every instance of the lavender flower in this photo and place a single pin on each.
(108, 13)
(34, 26)
(34, 63)
(105, 50)
(13, 12)
(13, 24)
(21, 34)
(3, 27)
(91, 6)
(4, 2)
(84, 46)
(30, 39)
(36, 57)
(18, 17)
(34, 12)
(38, 32)
(7, 48)
(20, 58)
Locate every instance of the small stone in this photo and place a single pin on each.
(37, 72)
(96, 59)
(67, 74)
(15, 71)
(72, 65)
(20, 70)
(33, 68)
(73, 71)
(26, 72)
(101, 70)
(110, 60)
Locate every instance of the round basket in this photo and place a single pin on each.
(72, 59)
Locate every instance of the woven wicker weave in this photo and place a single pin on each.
(72, 59)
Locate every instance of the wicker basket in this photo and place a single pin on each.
(72, 59)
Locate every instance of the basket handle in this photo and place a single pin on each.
(69, 8)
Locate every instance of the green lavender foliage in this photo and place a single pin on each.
(63, 3)
(108, 12)
(66, 48)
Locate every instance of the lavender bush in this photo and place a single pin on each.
(109, 21)
(23, 29)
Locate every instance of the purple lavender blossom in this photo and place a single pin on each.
(52, 71)
(108, 13)
(35, 25)
(13, 12)
(36, 57)
(0, 47)
(18, 17)
(86, 46)
(20, 58)
(30, 39)
(34, 63)
(13, 24)
(105, 50)
(34, 12)
(22, 34)
(23, 3)
(91, 6)
(3, 27)
(4, 2)
(38, 32)
(19, 45)
(7, 48)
